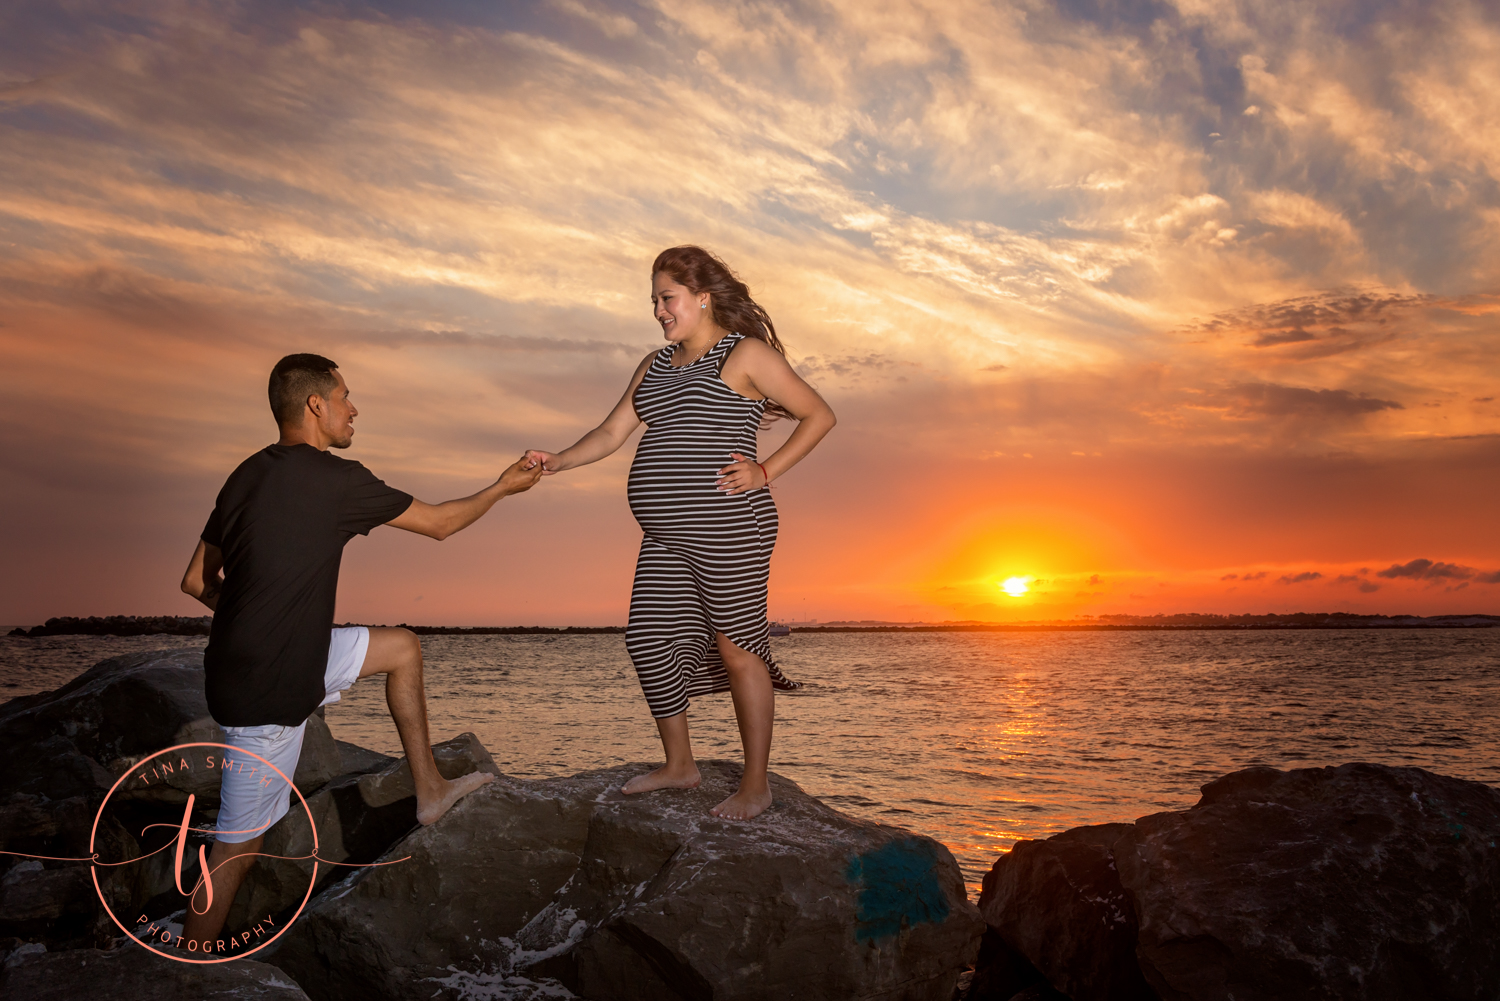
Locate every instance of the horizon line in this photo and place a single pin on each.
(199, 624)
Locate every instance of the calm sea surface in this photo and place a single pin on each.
(978, 739)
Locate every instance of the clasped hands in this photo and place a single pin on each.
(536, 457)
(520, 476)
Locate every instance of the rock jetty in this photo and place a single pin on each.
(549, 888)
(120, 625)
(1356, 882)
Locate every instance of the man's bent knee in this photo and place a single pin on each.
(392, 649)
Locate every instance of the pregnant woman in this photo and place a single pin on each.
(698, 606)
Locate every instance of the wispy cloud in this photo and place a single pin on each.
(1422, 569)
(1271, 400)
(1299, 578)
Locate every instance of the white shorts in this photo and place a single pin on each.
(252, 797)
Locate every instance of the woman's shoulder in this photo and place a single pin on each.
(752, 349)
(736, 339)
(646, 364)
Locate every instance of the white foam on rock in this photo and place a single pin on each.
(469, 986)
(559, 926)
(272, 980)
(172, 924)
(19, 954)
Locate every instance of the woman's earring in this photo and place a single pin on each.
(702, 305)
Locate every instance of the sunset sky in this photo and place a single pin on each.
(1161, 306)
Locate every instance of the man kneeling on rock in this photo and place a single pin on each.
(278, 532)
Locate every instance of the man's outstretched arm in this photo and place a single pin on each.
(203, 580)
(438, 521)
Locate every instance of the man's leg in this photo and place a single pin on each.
(251, 801)
(755, 710)
(397, 654)
(228, 862)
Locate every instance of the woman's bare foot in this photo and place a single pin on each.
(743, 805)
(665, 777)
(431, 809)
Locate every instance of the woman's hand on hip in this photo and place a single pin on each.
(741, 476)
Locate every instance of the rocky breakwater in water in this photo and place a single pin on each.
(526, 888)
(1361, 881)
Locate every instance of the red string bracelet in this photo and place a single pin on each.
(765, 474)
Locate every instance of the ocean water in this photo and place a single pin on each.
(977, 739)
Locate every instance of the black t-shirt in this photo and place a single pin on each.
(281, 522)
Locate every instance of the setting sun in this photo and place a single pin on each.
(1015, 586)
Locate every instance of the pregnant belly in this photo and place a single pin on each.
(692, 513)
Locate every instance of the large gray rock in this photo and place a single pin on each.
(76, 741)
(123, 709)
(130, 705)
(643, 897)
(451, 893)
(357, 817)
(33, 896)
(356, 760)
(1361, 881)
(134, 974)
(48, 809)
(804, 902)
(393, 782)
(1002, 974)
(48, 806)
(1060, 904)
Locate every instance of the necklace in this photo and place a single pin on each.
(700, 354)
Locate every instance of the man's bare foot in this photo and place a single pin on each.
(743, 805)
(432, 810)
(665, 777)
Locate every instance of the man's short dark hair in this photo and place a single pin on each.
(293, 380)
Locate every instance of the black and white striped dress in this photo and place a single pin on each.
(706, 556)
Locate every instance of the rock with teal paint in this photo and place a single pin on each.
(1360, 881)
(898, 888)
(660, 901)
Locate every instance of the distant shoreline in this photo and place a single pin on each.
(1094, 627)
(178, 625)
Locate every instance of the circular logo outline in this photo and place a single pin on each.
(94, 869)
